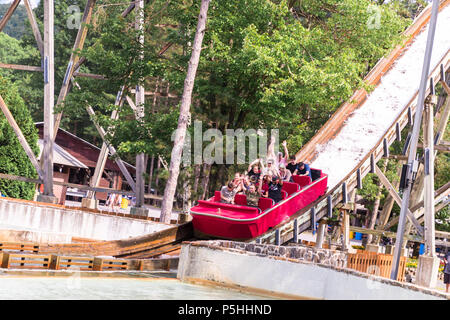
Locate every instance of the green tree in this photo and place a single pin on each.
(13, 159)
(264, 64)
(15, 26)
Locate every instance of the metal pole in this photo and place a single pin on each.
(415, 138)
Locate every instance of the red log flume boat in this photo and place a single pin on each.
(211, 218)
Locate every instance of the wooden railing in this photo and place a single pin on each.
(376, 264)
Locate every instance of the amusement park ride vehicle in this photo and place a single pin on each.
(211, 218)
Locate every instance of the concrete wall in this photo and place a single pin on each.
(8, 235)
(39, 218)
(212, 261)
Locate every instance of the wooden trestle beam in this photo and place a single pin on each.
(8, 14)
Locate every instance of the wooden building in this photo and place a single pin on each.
(74, 162)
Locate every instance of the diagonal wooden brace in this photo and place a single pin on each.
(397, 198)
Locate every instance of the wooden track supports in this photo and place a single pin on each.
(79, 43)
(21, 67)
(34, 27)
(49, 98)
(397, 198)
(113, 152)
(103, 156)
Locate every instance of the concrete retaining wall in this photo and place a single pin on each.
(73, 223)
(219, 262)
(8, 235)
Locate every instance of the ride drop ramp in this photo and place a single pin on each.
(356, 135)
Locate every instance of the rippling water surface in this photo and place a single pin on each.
(27, 285)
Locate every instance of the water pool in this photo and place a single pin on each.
(57, 285)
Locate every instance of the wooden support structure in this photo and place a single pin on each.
(103, 156)
(428, 138)
(49, 98)
(20, 67)
(74, 57)
(345, 209)
(397, 198)
(439, 195)
(385, 233)
(25, 261)
(88, 75)
(446, 87)
(34, 27)
(113, 152)
(145, 246)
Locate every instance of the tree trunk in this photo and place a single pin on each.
(175, 160)
(158, 166)
(150, 175)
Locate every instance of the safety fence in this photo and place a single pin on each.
(375, 263)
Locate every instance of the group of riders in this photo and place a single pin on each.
(265, 180)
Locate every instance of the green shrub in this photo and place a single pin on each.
(13, 159)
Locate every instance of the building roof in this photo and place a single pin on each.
(82, 150)
(61, 156)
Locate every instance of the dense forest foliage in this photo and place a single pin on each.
(13, 159)
(16, 25)
(264, 64)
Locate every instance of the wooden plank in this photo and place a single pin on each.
(376, 264)
(20, 67)
(14, 246)
(387, 234)
(103, 156)
(124, 247)
(438, 147)
(89, 75)
(27, 261)
(446, 87)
